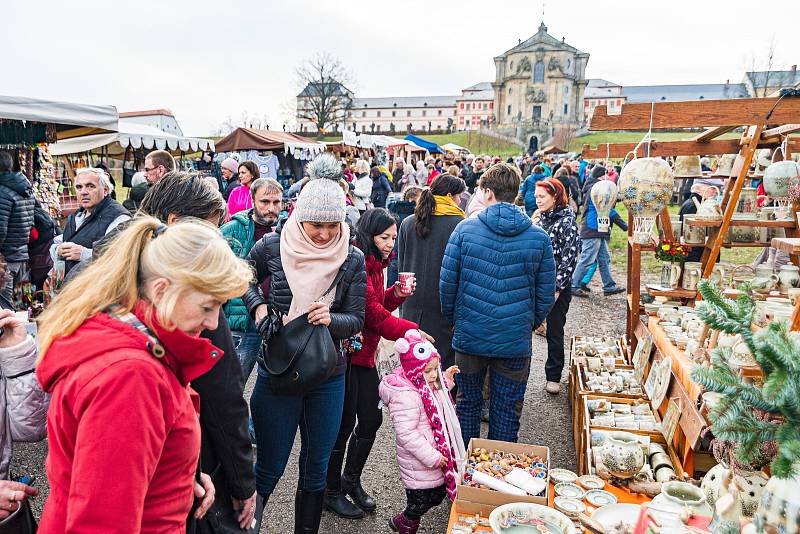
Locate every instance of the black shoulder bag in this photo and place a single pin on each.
(298, 356)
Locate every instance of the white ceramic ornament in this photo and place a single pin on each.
(646, 187)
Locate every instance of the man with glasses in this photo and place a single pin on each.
(157, 164)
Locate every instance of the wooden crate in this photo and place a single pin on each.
(582, 389)
(620, 359)
(673, 456)
(489, 499)
(654, 434)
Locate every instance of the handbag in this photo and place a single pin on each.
(221, 518)
(298, 356)
(20, 522)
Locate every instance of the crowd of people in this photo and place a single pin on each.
(163, 314)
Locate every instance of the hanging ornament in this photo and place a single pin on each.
(604, 196)
(779, 178)
(646, 187)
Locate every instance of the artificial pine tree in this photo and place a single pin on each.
(750, 415)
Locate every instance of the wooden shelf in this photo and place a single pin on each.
(672, 293)
(649, 247)
(790, 245)
(741, 222)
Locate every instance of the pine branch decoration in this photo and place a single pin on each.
(749, 415)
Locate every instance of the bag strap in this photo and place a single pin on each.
(115, 311)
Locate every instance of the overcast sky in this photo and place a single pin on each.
(208, 60)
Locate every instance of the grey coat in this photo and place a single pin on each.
(423, 257)
(23, 404)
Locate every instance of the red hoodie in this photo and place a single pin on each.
(378, 319)
(123, 429)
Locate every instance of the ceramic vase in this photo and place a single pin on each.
(604, 196)
(622, 455)
(778, 176)
(666, 273)
(676, 495)
(646, 187)
(789, 278)
(675, 270)
(752, 485)
(692, 271)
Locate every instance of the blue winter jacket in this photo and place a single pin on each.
(528, 192)
(497, 282)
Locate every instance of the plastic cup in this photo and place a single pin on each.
(407, 281)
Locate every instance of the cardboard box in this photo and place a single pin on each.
(480, 500)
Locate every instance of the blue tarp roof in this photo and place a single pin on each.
(430, 146)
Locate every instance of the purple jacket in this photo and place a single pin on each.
(416, 455)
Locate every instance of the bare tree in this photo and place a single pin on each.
(324, 99)
(246, 120)
(563, 136)
(761, 84)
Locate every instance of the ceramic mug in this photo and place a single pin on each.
(594, 364)
(793, 293)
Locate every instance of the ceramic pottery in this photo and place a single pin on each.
(509, 515)
(709, 209)
(691, 274)
(600, 497)
(604, 196)
(562, 475)
(751, 482)
(622, 455)
(569, 507)
(725, 165)
(687, 167)
(789, 278)
(646, 187)
(676, 495)
(779, 509)
(666, 271)
(675, 275)
(747, 201)
(779, 176)
(693, 235)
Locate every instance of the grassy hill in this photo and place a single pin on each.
(597, 138)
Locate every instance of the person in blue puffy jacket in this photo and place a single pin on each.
(528, 189)
(497, 284)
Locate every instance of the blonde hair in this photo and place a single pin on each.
(362, 166)
(453, 170)
(191, 254)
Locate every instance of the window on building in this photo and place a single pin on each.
(511, 66)
(509, 90)
(408, 113)
(424, 112)
(394, 113)
(485, 105)
(537, 113)
(461, 105)
(363, 128)
(566, 109)
(467, 122)
(491, 105)
(439, 113)
(566, 89)
(538, 72)
(619, 102)
(509, 109)
(379, 114)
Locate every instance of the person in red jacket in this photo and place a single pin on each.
(119, 346)
(376, 234)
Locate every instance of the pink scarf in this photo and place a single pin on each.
(310, 269)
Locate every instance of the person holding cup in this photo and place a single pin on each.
(375, 237)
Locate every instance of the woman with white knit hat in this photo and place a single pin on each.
(310, 253)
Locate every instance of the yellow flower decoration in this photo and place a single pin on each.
(664, 247)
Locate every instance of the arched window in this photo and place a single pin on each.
(538, 72)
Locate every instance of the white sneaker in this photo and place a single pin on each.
(553, 388)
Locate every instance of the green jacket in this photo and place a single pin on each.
(239, 233)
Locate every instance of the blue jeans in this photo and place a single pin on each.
(592, 250)
(318, 414)
(508, 379)
(247, 347)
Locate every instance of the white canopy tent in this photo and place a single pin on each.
(131, 134)
(70, 119)
(452, 147)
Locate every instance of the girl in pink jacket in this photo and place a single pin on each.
(430, 450)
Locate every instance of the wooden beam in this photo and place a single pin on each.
(711, 133)
(786, 129)
(679, 148)
(694, 113)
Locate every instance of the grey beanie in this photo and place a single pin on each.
(322, 198)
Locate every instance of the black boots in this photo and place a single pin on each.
(357, 453)
(307, 511)
(336, 501)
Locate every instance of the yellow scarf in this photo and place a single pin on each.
(446, 206)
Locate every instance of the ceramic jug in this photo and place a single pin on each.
(747, 204)
(693, 235)
(675, 274)
(718, 274)
(692, 271)
(789, 277)
(765, 279)
(779, 508)
(709, 209)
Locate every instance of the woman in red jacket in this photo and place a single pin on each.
(119, 346)
(375, 236)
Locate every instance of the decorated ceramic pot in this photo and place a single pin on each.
(687, 167)
(676, 495)
(604, 196)
(646, 186)
(779, 509)
(779, 176)
(751, 483)
(789, 278)
(622, 454)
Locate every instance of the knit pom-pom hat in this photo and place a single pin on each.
(415, 352)
(322, 199)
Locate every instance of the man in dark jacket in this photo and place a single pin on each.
(16, 220)
(594, 244)
(497, 285)
(98, 215)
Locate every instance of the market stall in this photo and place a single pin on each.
(430, 146)
(28, 125)
(281, 154)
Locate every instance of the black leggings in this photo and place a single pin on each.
(555, 336)
(361, 401)
(419, 501)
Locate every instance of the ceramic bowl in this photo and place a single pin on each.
(600, 497)
(554, 520)
(612, 515)
(569, 507)
(570, 490)
(591, 482)
(562, 475)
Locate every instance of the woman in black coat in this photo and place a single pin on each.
(420, 249)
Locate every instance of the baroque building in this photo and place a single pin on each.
(538, 88)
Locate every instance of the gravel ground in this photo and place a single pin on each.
(546, 421)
